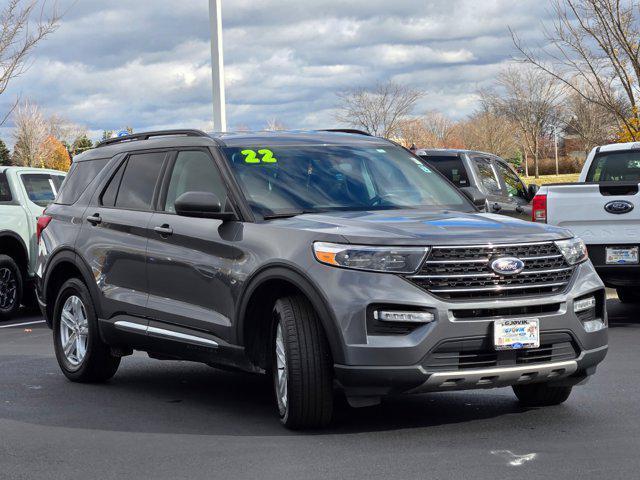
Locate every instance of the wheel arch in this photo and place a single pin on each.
(262, 290)
(63, 265)
(13, 245)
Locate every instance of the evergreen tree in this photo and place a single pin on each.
(5, 155)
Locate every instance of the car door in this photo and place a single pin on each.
(489, 183)
(517, 202)
(190, 259)
(113, 238)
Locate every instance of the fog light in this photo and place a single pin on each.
(584, 304)
(398, 316)
(593, 325)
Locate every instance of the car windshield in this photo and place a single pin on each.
(325, 178)
(615, 166)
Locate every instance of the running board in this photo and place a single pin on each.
(128, 326)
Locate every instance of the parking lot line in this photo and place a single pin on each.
(21, 324)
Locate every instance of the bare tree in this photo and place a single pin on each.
(590, 122)
(20, 34)
(531, 99)
(30, 133)
(378, 111)
(596, 43)
(273, 124)
(490, 132)
(440, 128)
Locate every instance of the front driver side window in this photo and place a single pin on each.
(515, 187)
(194, 171)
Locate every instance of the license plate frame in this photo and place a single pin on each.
(622, 255)
(525, 336)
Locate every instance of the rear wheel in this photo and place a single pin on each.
(81, 354)
(10, 287)
(301, 365)
(628, 294)
(541, 394)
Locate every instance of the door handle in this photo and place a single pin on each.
(94, 219)
(496, 207)
(164, 230)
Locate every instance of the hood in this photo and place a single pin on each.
(419, 227)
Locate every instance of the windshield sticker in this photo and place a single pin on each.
(424, 169)
(381, 150)
(264, 155)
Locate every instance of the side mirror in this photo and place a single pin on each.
(201, 205)
(478, 198)
(532, 189)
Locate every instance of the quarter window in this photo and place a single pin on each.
(5, 191)
(450, 167)
(194, 171)
(78, 179)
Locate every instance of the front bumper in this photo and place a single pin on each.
(382, 364)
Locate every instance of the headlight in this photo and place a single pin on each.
(574, 250)
(374, 259)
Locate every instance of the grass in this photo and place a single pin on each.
(544, 179)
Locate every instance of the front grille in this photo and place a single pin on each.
(465, 272)
(475, 353)
(484, 313)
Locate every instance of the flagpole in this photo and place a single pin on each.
(217, 66)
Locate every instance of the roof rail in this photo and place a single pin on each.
(346, 130)
(148, 135)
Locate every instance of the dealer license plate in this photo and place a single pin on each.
(517, 333)
(621, 256)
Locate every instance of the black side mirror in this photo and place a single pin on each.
(532, 189)
(201, 205)
(478, 198)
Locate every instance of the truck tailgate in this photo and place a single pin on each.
(581, 208)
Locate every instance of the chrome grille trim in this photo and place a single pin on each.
(464, 271)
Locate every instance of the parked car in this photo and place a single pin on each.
(24, 192)
(321, 258)
(506, 193)
(601, 209)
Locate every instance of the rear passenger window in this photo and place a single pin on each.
(5, 191)
(487, 176)
(78, 179)
(139, 181)
(450, 167)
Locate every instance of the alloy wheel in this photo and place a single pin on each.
(8, 289)
(281, 375)
(74, 330)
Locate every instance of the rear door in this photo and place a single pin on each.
(113, 239)
(490, 185)
(516, 203)
(191, 259)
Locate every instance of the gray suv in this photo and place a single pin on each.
(331, 261)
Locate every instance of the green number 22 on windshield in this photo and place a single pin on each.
(264, 155)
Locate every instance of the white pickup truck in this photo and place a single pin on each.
(604, 210)
(24, 193)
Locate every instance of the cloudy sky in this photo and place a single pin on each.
(146, 63)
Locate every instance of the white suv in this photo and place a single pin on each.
(24, 193)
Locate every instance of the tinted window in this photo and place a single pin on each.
(450, 167)
(109, 195)
(41, 188)
(515, 187)
(618, 166)
(5, 191)
(487, 176)
(194, 172)
(324, 178)
(78, 179)
(139, 181)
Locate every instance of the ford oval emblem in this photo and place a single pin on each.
(507, 266)
(619, 207)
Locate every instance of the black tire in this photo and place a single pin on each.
(309, 369)
(10, 287)
(97, 365)
(628, 294)
(541, 394)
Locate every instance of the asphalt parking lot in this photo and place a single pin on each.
(180, 420)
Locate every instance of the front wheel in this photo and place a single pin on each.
(628, 294)
(80, 352)
(541, 394)
(301, 365)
